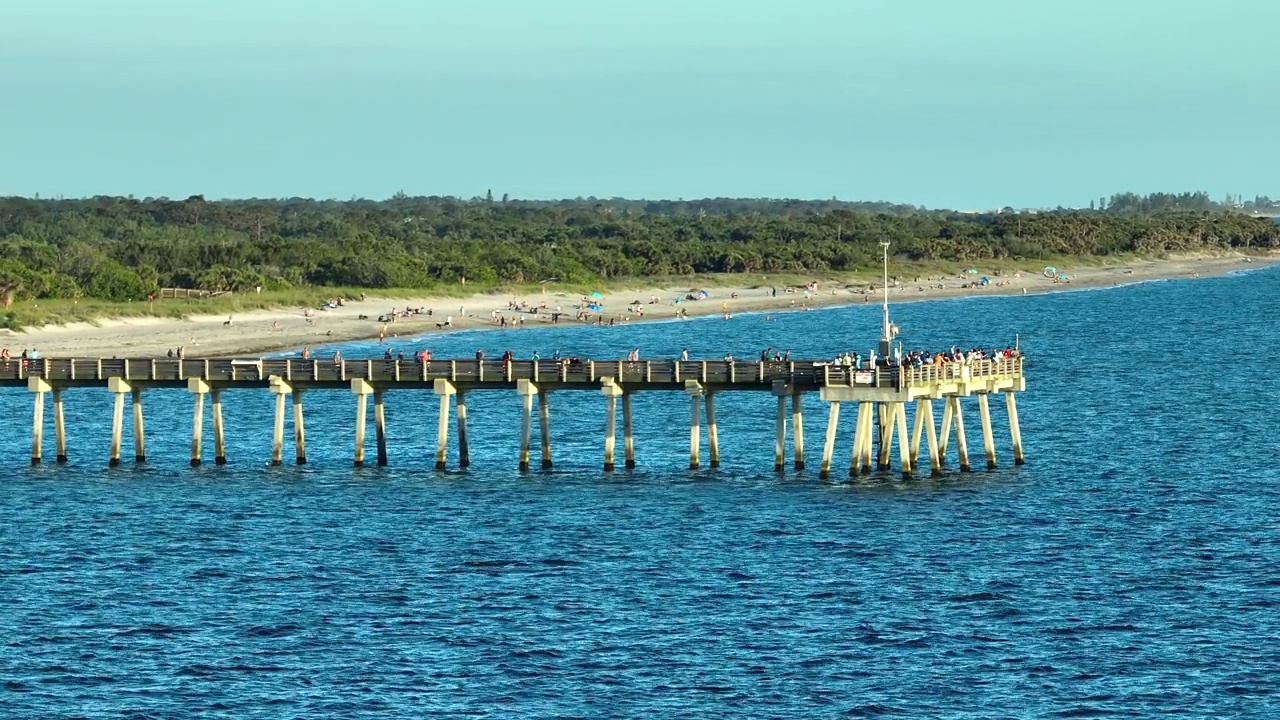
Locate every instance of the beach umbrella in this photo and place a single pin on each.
(1050, 271)
(704, 294)
(986, 279)
(595, 306)
(596, 295)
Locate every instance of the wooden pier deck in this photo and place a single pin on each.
(881, 393)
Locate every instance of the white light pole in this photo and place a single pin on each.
(886, 336)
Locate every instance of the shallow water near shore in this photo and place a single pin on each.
(1130, 568)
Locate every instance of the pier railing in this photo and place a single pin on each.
(640, 372)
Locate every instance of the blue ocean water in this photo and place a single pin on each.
(1131, 568)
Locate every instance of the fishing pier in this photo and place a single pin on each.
(883, 396)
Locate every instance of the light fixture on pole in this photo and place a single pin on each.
(886, 335)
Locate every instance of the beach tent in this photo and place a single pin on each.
(703, 294)
(1050, 271)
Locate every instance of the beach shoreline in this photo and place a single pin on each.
(260, 332)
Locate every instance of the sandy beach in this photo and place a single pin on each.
(252, 333)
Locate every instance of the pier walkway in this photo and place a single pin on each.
(881, 394)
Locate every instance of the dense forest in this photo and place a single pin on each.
(122, 249)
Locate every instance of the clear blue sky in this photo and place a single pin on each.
(969, 104)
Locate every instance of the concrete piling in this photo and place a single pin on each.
(829, 445)
(526, 390)
(859, 439)
(544, 427)
(797, 428)
(870, 432)
(628, 435)
(139, 436)
(119, 388)
(299, 428)
(362, 390)
(695, 392)
(464, 447)
(1011, 404)
(904, 440)
(59, 427)
(611, 391)
(931, 436)
(198, 389)
(445, 390)
(780, 435)
(219, 440)
(988, 441)
(280, 389)
(962, 447)
(380, 428)
(38, 387)
(713, 431)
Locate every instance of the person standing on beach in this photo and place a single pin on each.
(684, 355)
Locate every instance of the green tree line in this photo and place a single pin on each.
(122, 249)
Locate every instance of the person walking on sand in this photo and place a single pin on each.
(684, 355)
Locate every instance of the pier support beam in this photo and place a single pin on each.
(917, 431)
(380, 428)
(526, 390)
(695, 392)
(139, 437)
(59, 427)
(904, 440)
(299, 428)
(885, 418)
(780, 435)
(859, 438)
(445, 390)
(119, 388)
(219, 439)
(280, 389)
(924, 410)
(988, 441)
(713, 431)
(544, 427)
(829, 446)
(38, 387)
(797, 428)
(611, 391)
(362, 390)
(947, 421)
(962, 447)
(464, 447)
(628, 434)
(870, 431)
(1010, 403)
(198, 388)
